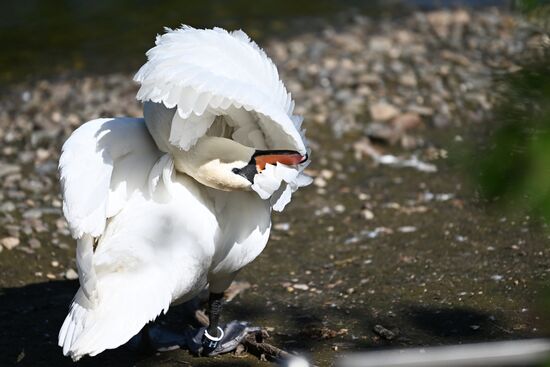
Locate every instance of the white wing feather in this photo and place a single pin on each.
(129, 300)
(104, 164)
(211, 69)
(92, 189)
(101, 164)
(204, 73)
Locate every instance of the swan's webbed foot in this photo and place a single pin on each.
(234, 334)
(210, 342)
(205, 341)
(215, 339)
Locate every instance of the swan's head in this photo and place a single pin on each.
(261, 158)
(224, 164)
(238, 94)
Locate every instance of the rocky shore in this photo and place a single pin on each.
(403, 236)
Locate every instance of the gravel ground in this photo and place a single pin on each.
(390, 246)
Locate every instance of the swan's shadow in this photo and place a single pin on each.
(30, 318)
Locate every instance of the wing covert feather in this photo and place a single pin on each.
(101, 163)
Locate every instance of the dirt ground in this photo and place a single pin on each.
(367, 247)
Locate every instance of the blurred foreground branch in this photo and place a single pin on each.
(508, 353)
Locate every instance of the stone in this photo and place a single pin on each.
(8, 206)
(71, 274)
(407, 121)
(281, 226)
(9, 242)
(383, 132)
(8, 169)
(320, 182)
(367, 214)
(408, 80)
(301, 287)
(380, 44)
(383, 111)
(34, 243)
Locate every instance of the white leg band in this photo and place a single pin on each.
(214, 340)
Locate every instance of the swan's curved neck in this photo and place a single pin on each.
(212, 161)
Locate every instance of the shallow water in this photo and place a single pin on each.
(46, 38)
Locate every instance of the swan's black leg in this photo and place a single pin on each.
(213, 333)
(215, 304)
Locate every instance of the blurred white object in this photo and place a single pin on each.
(413, 162)
(507, 353)
(296, 362)
(365, 147)
(164, 205)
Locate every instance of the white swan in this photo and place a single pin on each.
(180, 200)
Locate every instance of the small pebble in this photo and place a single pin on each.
(7, 207)
(406, 229)
(70, 274)
(302, 287)
(320, 182)
(367, 214)
(26, 249)
(383, 332)
(383, 111)
(9, 242)
(282, 226)
(34, 243)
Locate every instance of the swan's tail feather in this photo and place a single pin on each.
(74, 324)
(127, 302)
(86, 271)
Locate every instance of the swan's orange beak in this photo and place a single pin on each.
(287, 157)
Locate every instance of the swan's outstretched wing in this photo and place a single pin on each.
(208, 71)
(93, 189)
(220, 83)
(104, 165)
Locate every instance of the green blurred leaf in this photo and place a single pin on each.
(516, 167)
(538, 11)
